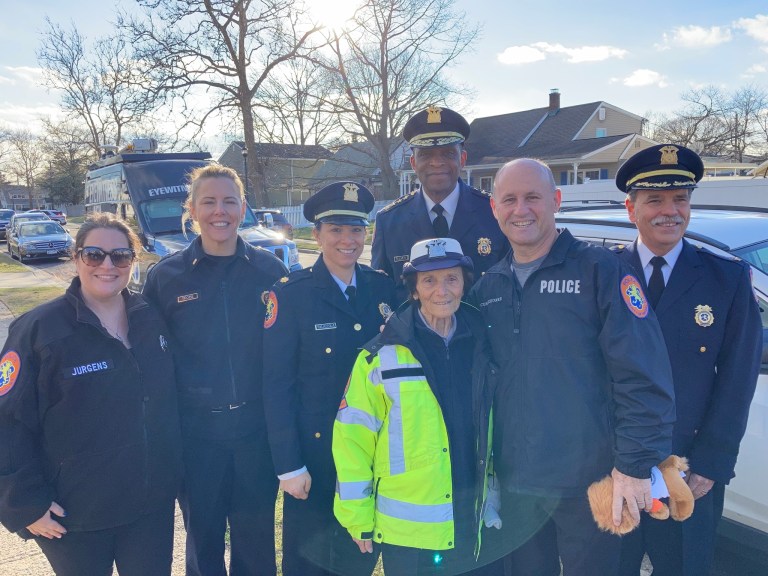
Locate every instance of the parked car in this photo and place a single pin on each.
(40, 239)
(5, 220)
(56, 215)
(274, 220)
(740, 232)
(18, 218)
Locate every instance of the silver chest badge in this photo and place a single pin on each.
(704, 316)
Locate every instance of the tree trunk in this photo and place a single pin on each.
(254, 183)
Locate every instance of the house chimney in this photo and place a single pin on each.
(554, 100)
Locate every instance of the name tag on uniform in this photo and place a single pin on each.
(491, 301)
(84, 369)
(187, 297)
(327, 326)
(403, 258)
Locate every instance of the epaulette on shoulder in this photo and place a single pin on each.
(369, 270)
(482, 193)
(725, 257)
(399, 201)
(618, 248)
(297, 276)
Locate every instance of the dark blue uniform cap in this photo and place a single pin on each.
(662, 167)
(340, 203)
(436, 126)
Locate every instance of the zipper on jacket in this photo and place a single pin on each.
(229, 340)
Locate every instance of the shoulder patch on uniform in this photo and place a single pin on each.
(633, 296)
(343, 403)
(618, 248)
(270, 317)
(10, 365)
(401, 200)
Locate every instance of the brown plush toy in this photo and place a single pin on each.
(680, 499)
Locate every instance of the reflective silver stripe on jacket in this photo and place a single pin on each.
(354, 490)
(414, 512)
(351, 415)
(388, 361)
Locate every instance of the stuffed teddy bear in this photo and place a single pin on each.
(680, 499)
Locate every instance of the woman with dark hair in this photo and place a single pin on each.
(91, 446)
(317, 321)
(211, 295)
(409, 444)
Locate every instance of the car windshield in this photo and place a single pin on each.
(5, 214)
(40, 229)
(756, 254)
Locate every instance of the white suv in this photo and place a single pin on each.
(742, 233)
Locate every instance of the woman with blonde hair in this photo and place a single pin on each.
(210, 294)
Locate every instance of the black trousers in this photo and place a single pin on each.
(140, 548)
(676, 548)
(538, 533)
(229, 482)
(404, 561)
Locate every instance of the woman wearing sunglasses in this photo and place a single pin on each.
(210, 293)
(91, 451)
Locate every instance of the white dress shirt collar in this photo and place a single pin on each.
(450, 204)
(671, 257)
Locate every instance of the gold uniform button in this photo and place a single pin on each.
(317, 434)
(327, 350)
(358, 327)
(703, 349)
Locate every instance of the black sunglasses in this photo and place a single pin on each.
(94, 256)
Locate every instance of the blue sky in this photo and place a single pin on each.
(638, 56)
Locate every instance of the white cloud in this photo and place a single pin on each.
(756, 69)
(6, 80)
(30, 74)
(695, 37)
(645, 77)
(520, 55)
(756, 27)
(26, 117)
(538, 51)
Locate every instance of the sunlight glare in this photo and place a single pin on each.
(332, 14)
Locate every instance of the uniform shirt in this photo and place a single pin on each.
(449, 204)
(670, 258)
(316, 335)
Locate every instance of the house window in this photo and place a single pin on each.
(601, 133)
(486, 183)
(587, 175)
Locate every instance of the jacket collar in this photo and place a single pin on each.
(74, 296)
(194, 253)
(556, 255)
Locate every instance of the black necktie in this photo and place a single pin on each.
(351, 293)
(656, 283)
(440, 224)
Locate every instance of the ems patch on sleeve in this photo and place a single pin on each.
(343, 403)
(10, 365)
(271, 314)
(633, 296)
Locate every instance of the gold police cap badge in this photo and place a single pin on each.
(669, 154)
(484, 246)
(433, 115)
(350, 192)
(704, 316)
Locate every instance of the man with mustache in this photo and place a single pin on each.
(712, 328)
(444, 207)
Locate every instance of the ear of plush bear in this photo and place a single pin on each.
(681, 499)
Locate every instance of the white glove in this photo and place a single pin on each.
(491, 516)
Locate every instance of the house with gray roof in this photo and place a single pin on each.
(579, 143)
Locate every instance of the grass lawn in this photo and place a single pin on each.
(19, 300)
(8, 264)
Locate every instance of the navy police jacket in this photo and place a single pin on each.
(84, 421)
(215, 312)
(584, 380)
(314, 329)
(711, 324)
(406, 221)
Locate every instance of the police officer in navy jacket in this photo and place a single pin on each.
(317, 321)
(445, 206)
(711, 324)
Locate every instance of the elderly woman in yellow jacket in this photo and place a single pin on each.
(404, 439)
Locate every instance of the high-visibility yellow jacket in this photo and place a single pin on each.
(390, 446)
